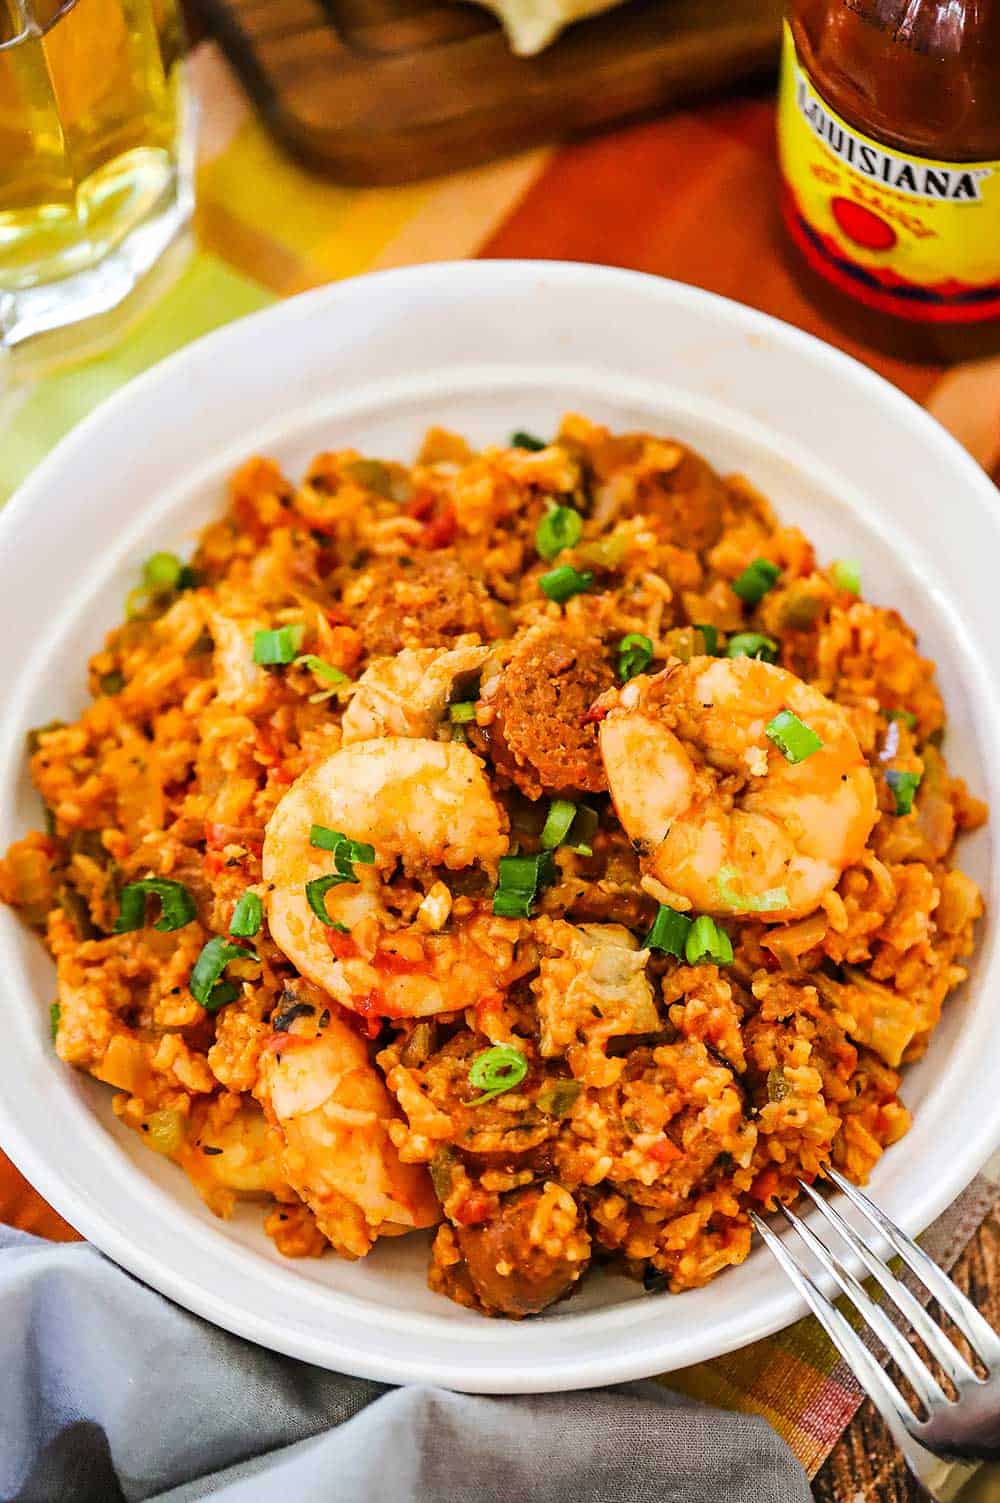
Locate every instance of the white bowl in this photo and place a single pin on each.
(484, 348)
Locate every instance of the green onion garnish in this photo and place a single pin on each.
(906, 716)
(755, 581)
(316, 892)
(558, 1097)
(324, 671)
(522, 440)
(767, 902)
(55, 1013)
(248, 915)
(750, 644)
(280, 646)
(904, 785)
(562, 583)
(497, 1070)
(205, 984)
(520, 879)
(571, 825)
(562, 812)
(706, 941)
(846, 575)
(162, 572)
(794, 739)
(345, 851)
(560, 528)
(463, 712)
(113, 682)
(176, 903)
(711, 635)
(635, 653)
(669, 932)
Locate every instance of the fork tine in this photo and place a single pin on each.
(881, 1390)
(937, 1343)
(924, 1384)
(980, 1336)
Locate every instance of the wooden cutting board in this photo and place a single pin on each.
(388, 91)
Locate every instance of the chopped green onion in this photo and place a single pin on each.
(562, 583)
(794, 739)
(280, 646)
(113, 682)
(562, 812)
(497, 1070)
(558, 1097)
(755, 581)
(707, 941)
(161, 572)
(177, 905)
(520, 879)
(582, 830)
(669, 932)
(711, 635)
(55, 1013)
(463, 712)
(136, 602)
(846, 575)
(187, 579)
(635, 653)
(906, 716)
(522, 440)
(316, 892)
(248, 915)
(767, 902)
(561, 527)
(570, 825)
(904, 785)
(750, 644)
(345, 851)
(205, 984)
(373, 474)
(323, 671)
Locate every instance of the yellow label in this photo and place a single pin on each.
(910, 235)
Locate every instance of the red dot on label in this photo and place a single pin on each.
(862, 226)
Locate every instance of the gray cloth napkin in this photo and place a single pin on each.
(108, 1392)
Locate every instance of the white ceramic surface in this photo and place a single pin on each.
(482, 347)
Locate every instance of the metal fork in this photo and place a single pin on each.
(946, 1447)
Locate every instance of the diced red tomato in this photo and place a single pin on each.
(440, 531)
(342, 945)
(665, 1152)
(474, 1211)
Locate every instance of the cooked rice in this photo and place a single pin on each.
(643, 1131)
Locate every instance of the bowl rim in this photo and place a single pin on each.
(297, 1338)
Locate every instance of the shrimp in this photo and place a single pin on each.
(332, 1109)
(729, 824)
(424, 805)
(406, 695)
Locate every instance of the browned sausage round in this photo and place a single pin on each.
(425, 603)
(535, 1279)
(541, 738)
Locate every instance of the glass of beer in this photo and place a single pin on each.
(95, 156)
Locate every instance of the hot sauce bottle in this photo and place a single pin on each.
(889, 144)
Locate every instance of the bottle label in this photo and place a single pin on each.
(903, 234)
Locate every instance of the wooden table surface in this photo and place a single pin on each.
(693, 197)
